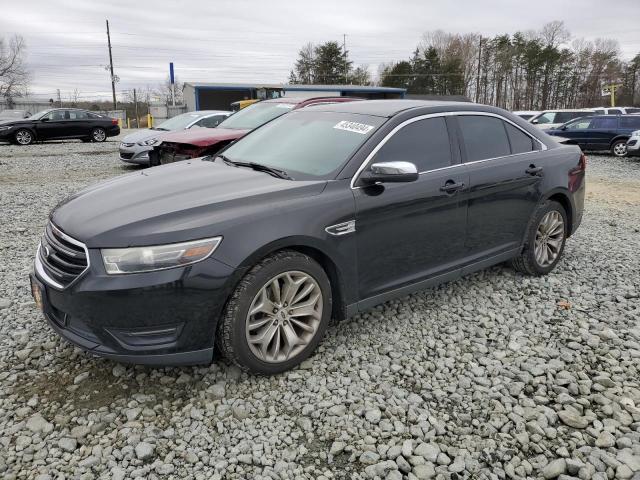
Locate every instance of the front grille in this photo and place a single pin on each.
(63, 258)
(127, 155)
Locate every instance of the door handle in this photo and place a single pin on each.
(533, 170)
(451, 187)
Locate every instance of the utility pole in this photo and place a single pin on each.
(346, 65)
(135, 101)
(479, 68)
(113, 78)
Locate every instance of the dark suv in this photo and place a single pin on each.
(600, 132)
(323, 212)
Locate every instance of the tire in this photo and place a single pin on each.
(529, 261)
(24, 137)
(98, 135)
(257, 288)
(619, 148)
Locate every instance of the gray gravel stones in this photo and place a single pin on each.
(495, 376)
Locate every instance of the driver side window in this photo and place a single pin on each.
(425, 143)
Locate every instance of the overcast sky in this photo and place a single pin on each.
(258, 41)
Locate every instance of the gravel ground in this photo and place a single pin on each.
(493, 376)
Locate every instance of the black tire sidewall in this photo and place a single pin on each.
(239, 309)
(93, 131)
(541, 212)
(15, 137)
(613, 147)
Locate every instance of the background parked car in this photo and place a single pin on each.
(14, 114)
(616, 110)
(600, 132)
(134, 148)
(526, 114)
(192, 144)
(633, 144)
(60, 123)
(555, 118)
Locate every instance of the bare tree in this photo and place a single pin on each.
(14, 76)
(164, 92)
(74, 97)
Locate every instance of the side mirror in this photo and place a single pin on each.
(44, 119)
(534, 121)
(563, 127)
(390, 172)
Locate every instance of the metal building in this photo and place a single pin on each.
(219, 96)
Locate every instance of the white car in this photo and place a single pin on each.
(616, 110)
(135, 147)
(554, 118)
(633, 144)
(526, 114)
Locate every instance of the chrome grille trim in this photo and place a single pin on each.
(67, 264)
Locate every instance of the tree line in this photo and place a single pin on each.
(532, 70)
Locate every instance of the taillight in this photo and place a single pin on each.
(576, 174)
(114, 121)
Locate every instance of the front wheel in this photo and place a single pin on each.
(98, 135)
(619, 148)
(546, 236)
(23, 137)
(277, 315)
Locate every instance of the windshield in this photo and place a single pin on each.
(305, 144)
(179, 122)
(255, 115)
(39, 115)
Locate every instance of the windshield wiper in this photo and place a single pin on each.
(276, 172)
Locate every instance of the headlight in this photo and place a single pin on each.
(148, 143)
(147, 259)
(6, 128)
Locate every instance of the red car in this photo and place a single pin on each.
(193, 143)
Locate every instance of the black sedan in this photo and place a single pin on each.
(59, 123)
(323, 212)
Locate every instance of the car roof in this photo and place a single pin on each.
(389, 108)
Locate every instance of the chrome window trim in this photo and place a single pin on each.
(43, 274)
(397, 128)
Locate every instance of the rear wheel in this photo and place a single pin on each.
(277, 315)
(619, 148)
(23, 137)
(546, 236)
(98, 135)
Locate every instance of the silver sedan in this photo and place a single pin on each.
(135, 147)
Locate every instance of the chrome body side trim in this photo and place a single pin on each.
(543, 147)
(341, 228)
(40, 268)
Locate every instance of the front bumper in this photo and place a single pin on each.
(633, 146)
(137, 154)
(167, 317)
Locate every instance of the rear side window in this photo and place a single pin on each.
(77, 115)
(548, 117)
(484, 137)
(424, 143)
(615, 111)
(630, 121)
(600, 111)
(605, 122)
(520, 141)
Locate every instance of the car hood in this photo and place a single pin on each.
(141, 135)
(14, 121)
(176, 202)
(203, 137)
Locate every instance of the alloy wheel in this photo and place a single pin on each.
(284, 316)
(620, 149)
(24, 137)
(99, 135)
(549, 238)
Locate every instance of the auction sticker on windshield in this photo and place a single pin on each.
(354, 127)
